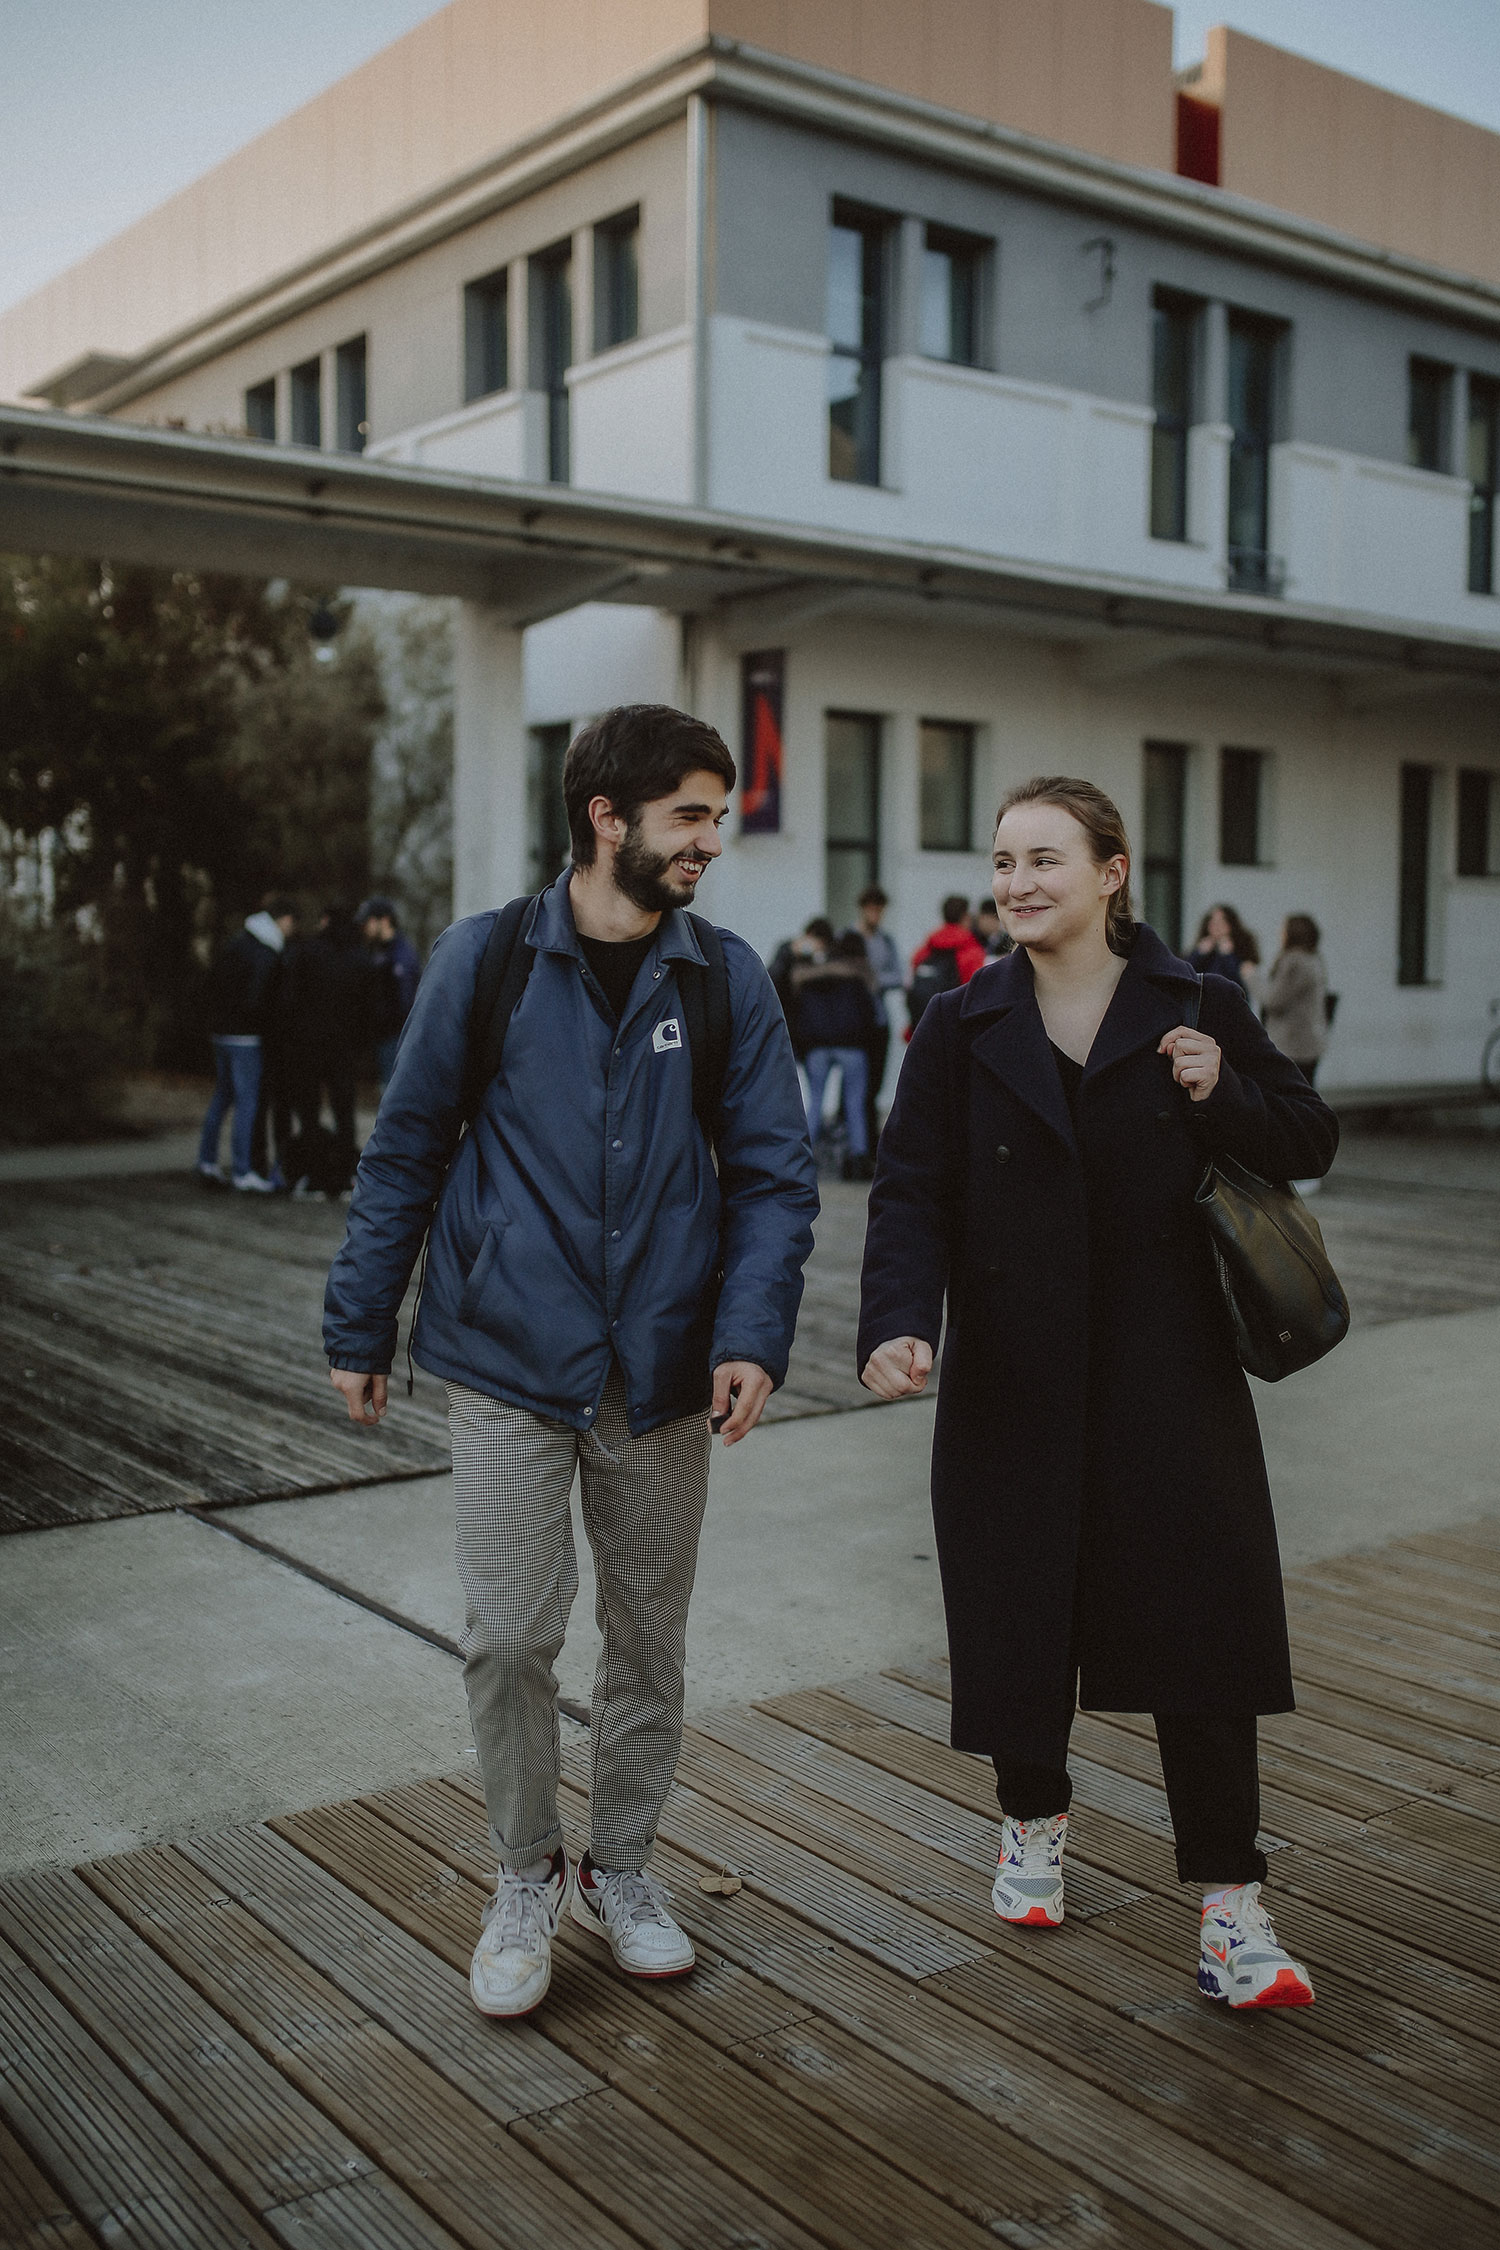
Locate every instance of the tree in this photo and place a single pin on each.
(411, 839)
(170, 743)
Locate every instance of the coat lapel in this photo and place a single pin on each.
(1010, 1040)
(1150, 999)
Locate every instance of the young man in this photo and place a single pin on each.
(598, 1296)
(885, 967)
(241, 1001)
(399, 972)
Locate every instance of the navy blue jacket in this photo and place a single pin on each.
(582, 1217)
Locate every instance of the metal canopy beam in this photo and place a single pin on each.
(75, 485)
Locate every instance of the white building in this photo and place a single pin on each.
(1198, 386)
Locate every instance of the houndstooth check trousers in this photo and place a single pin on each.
(643, 1502)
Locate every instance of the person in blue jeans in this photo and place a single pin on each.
(837, 1017)
(241, 996)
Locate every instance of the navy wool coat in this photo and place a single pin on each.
(1098, 1487)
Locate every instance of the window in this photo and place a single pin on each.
(1174, 330)
(617, 282)
(552, 348)
(946, 770)
(857, 261)
(1415, 874)
(260, 410)
(1427, 394)
(486, 335)
(851, 797)
(307, 403)
(1161, 860)
(952, 279)
(1252, 386)
(349, 389)
(1478, 823)
(548, 842)
(1484, 475)
(1241, 776)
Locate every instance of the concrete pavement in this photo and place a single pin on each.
(158, 1677)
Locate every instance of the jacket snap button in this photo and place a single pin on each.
(1002, 1154)
(614, 1234)
(617, 1144)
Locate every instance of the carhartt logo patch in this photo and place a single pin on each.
(667, 1037)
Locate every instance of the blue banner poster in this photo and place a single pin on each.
(762, 676)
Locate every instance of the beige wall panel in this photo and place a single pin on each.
(1025, 68)
(413, 313)
(1352, 156)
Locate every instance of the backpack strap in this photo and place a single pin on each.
(504, 967)
(705, 1008)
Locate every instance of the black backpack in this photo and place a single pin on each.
(505, 966)
(938, 973)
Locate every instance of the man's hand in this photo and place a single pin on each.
(364, 1395)
(898, 1369)
(740, 1393)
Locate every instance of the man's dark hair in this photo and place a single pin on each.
(632, 755)
(955, 907)
(873, 895)
(279, 906)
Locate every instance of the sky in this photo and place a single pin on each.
(109, 106)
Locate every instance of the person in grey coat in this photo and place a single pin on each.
(1294, 1005)
(609, 1279)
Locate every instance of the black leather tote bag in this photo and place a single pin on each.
(1286, 1304)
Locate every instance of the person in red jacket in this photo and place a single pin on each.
(946, 959)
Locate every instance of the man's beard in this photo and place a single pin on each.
(645, 876)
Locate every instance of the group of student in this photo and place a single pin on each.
(617, 1210)
(294, 1020)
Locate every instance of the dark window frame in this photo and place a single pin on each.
(966, 732)
(260, 410)
(1478, 819)
(1160, 870)
(548, 839)
(868, 843)
(1181, 317)
(617, 279)
(970, 255)
(1253, 569)
(1482, 462)
(1429, 413)
(550, 280)
(307, 402)
(1418, 790)
(351, 386)
(1242, 808)
(855, 439)
(487, 335)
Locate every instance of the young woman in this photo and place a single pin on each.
(1295, 1003)
(1225, 948)
(1103, 1520)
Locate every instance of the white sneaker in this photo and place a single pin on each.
(213, 1175)
(628, 1910)
(1240, 1961)
(251, 1183)
(512, 1964)
(1028, 1884)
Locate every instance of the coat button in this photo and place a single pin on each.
(1163, 1118)
(1002, 1154)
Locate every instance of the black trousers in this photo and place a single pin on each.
(1210, 1766)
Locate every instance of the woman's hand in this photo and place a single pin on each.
(1195, 1060)
(898, 1369)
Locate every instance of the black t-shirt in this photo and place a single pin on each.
(614, 963)
(1071, 1074)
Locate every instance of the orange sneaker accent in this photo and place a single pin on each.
(1037, 1919)
(1287, 1992)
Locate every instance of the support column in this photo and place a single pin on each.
(490, 745)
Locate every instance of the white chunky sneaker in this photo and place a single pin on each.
(512, 1964)
(1028, 1875)
(1240, 1961)
(629, 1911)
(251, 1183)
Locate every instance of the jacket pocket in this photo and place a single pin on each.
(479, 1274)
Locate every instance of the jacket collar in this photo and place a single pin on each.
(1009, 1038)
(553, 929)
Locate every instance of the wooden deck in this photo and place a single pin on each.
(265, 2036)
(165, 1342)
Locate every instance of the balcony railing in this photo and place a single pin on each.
(1253, 571)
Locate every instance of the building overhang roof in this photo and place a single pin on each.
(75, 485)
